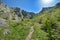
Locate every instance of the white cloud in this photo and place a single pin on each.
(45, 3)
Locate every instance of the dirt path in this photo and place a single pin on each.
(30, 33)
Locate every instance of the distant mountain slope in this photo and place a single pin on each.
(8, 12)
(23, 14)
(50, 9)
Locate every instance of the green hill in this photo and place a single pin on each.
(20, 25)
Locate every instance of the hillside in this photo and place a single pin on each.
(8, 12)
(17, 24)
(47, 24)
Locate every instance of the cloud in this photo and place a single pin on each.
(45, 3)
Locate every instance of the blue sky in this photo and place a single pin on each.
(29, 5)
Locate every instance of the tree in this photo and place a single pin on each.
(49, 29)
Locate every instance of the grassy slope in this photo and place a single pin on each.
(20, 30)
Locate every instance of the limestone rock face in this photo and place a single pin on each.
(3, 23)
(6, 31)
(10, 13)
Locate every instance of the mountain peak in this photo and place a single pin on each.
(58, 4)
(50, 8)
